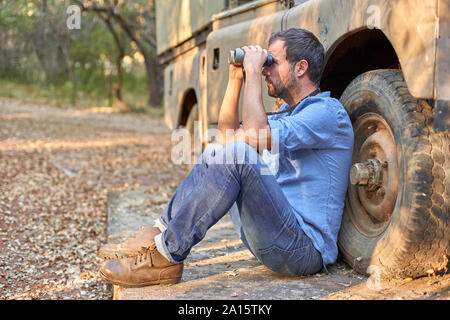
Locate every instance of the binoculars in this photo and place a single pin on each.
(237, 55)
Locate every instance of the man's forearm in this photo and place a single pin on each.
(255, 125)
(229, 111)
(253, 113)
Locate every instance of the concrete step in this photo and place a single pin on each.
(220, 266)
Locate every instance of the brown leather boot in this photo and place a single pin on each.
(130, 247)
(148, 268)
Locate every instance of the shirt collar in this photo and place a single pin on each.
(304, 103)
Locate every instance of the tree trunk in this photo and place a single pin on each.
(154, 80)
(152, 67)
(119, 58)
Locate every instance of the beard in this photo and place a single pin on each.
(278, 89)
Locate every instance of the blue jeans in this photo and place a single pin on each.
(256, 202)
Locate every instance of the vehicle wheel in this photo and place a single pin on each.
(396, 215)
(196, 143)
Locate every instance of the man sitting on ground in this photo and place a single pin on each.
(287, 205)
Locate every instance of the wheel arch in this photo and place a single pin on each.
(187, 103)
(354, 53)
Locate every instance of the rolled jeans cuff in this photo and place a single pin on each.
(160, 225)
(162, 248)
(159, 241)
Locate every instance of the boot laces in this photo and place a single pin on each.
(144, 255)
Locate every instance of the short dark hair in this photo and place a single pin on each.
(303, 44)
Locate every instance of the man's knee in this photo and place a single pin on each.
(236, 152)
(209, 154)
(239, 152)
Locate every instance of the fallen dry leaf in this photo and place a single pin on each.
(56, 169)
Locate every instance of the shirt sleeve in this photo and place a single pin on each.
(313, 127)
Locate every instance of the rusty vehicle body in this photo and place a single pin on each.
(388, 62)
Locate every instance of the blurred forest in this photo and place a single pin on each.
(109, 60)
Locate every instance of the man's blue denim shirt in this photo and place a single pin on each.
(312, 165)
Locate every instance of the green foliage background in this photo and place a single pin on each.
(42, 60)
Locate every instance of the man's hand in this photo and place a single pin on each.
(255, 57)
(235, 73)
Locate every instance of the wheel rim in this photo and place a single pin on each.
(374, 176)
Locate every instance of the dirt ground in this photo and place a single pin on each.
(57, 167)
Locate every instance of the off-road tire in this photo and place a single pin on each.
(415, 240)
